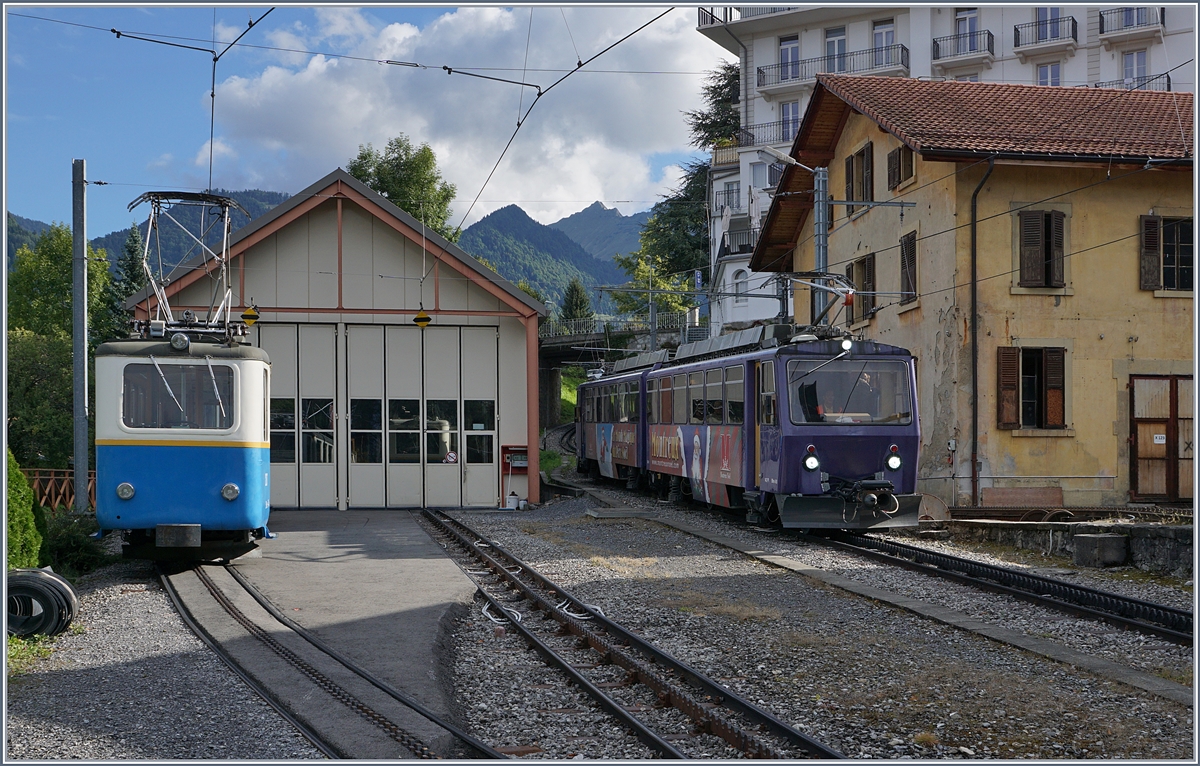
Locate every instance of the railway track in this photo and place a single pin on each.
(318, 672)
(1168, 623)
(654, 692)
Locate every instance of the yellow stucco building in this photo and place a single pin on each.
(1064, 215)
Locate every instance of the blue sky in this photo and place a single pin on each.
(138, 112)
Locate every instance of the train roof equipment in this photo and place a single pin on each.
(644, 359)
(217, 325)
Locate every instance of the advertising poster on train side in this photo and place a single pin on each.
(709, 457)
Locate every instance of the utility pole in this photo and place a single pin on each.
(79, 330)
(653, 313)
(821, 231)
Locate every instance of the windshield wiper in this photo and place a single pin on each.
(213, 377)
(168, 385)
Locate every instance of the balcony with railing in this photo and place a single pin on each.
(1127, 25)
(764, 133)
(724, 155)
(1147, 82)
(714, 16)
(739, 242)
(728, 198)
(1048, 36)
(967, 49)
(774, 173)
(888, 59)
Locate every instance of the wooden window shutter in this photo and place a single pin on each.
(868, 301)
(850, 279)
(1058, 223)
(1033, 249)
(908, 267)
(849, 184)
(868, 161)
(1054, 381)
(893, 169)
(1008, 367)
(1150, 263)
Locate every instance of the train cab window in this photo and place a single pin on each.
(283, 430)
(366, 431)
(404, 430)
(696, 398)
(735, 396)
(680, 408)
(666, 408)
(316, 430)
(178, 396)
(766, 394)
(872, 391)
(651, 401)
(714, 402)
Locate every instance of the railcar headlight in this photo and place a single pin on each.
(893, 460)
(125, 490)
(180, 342)
(230, 491)
(811, 462)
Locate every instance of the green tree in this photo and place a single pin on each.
(409, 177)
(719, 120)
(576, 303)
(130, 274)
(23, 541)
(526, 287)
(40, 286)
(669, 289)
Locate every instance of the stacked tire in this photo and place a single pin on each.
(39, 601)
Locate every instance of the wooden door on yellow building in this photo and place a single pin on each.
(1162, 435)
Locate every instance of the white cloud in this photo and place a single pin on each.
(220, 150)
(589, 138)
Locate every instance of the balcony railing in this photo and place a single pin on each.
(1148, 82)
(774, 173)
(964, 44)
(713, 16)
(1048, 31)
(739, 241)
(730, 198)
(1122, 19)
(724, 155)
(763, 133)
(855, 62)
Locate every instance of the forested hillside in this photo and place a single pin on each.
(604, 231)
(521, 248)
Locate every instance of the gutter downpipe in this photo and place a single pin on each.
(975, 335)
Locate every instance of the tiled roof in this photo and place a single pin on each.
(934, 117)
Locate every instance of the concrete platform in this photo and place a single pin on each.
(374, 586)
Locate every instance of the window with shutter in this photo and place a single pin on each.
(908, 268)
(849, 184)
(1033, 264)
(850, 269)
(868, 301)
(1150, 263)
(1178, 254)
(868, 172)
(1057, 229)
(1008, 366)
(893, 169)
(1054, 387)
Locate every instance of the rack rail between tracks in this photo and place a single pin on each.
(711, 706)
(1166, 622)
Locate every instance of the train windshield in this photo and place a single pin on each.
(849, 392)
(178, 396)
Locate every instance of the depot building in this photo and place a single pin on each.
(368, 409)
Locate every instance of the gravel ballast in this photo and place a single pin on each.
(130, 681)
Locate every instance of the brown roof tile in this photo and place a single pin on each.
(1027, 119)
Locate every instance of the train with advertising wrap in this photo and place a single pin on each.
(798, 430)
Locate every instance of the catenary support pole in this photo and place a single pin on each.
(975, 334)
(79, 332)
(821, 231)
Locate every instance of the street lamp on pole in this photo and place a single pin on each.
(820, 216)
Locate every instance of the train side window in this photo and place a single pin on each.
(735, 396)
(651, 401)
(680, 408)
(283, 430)
(366, 430)
(316, 430)
(635, 395)
(665, 397)
(696, 397)
(404, 426)
(178, 396)
(623, 407)
(766, 394)
(715, 403)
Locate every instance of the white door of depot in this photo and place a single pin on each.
(279, 341)
(442, 410)
(479, 386)
(403, 418)
(317, 416)
(365, 450)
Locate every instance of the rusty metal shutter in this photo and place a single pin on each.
(1150, 263)
(1033, 249)
(1008, 377)
(1054, 377)
(893, 169)
(1057, 227)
